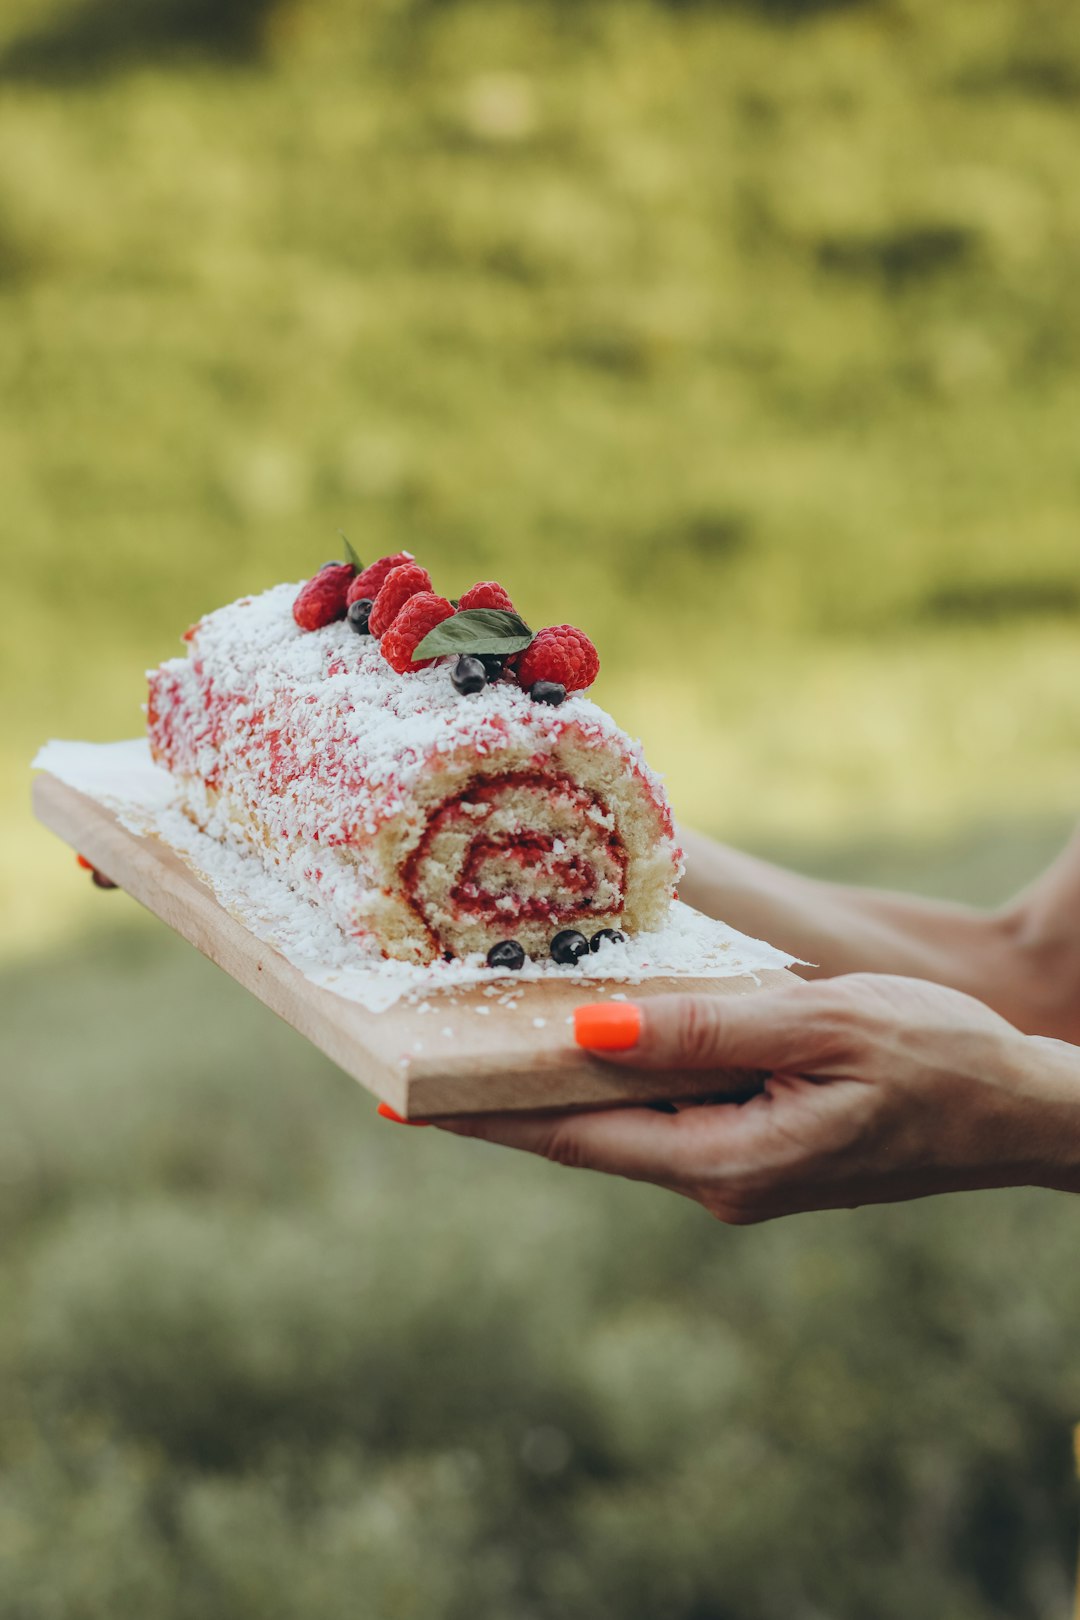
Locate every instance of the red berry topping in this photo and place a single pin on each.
(398, 586)
(370, 580)
(420, 614)
(486, 595)
(560, 654)
(323, 599)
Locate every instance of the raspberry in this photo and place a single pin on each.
(560, 654)
(322, 599)
(420, 614)
(399, 585)
(486, 595)
(370, 580)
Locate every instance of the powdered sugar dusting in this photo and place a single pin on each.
(123, 778)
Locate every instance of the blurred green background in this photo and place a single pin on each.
(745, 335)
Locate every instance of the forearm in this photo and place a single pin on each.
(836, 928)
(1002, 958)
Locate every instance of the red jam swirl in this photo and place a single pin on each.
(568, 871)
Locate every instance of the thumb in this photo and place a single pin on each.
(790, 1030)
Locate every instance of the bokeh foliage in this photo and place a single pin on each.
(748, 340)
(264, 1356)
(746, 335)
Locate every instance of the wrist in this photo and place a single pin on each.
(1048, 1076)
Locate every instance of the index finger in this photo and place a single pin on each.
(633, 1142)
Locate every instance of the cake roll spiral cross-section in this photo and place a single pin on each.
(426, 822)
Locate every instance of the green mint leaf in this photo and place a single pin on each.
(350, 554)
(477, 630)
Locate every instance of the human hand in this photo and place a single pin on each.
(99, 879)
(876, 1089)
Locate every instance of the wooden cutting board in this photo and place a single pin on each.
(493, 1058)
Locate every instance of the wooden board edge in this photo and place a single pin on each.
(565, 1077)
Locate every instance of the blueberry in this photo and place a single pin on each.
(358, 615)
(611, 934)
(468, 675)
(507, 953)
(493, 664)
(548, 692)
(569, 947)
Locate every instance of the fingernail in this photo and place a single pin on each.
(607, 1026)
(87, 866)
(386, 1112)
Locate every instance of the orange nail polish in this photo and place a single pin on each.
(607, 1026)
(386, 1112)
(87, 866)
